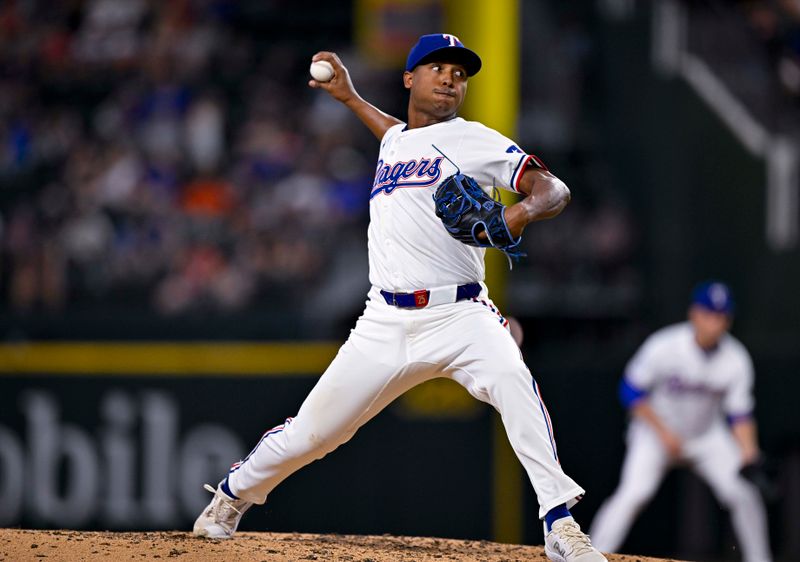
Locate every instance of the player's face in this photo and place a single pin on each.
(709, 326)
(437, 88)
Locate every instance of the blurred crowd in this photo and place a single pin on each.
(776, 24)
(155, 152)
(170, 156)
(584, 264)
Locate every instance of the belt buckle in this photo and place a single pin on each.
(421, 298)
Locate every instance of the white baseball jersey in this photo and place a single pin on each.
(690, 388)
(409, 248)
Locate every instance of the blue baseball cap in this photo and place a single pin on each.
(714, 296)
(446, 45)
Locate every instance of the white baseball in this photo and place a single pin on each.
(321, 71)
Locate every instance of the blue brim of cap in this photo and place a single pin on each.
(461, 55)
(711, 308)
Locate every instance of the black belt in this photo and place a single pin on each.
(419, 299)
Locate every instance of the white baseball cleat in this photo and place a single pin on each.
(220, 517)
(567, 543)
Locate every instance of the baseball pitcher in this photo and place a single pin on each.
(428, 313)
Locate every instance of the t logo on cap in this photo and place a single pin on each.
(453, 39)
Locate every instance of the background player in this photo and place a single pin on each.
(428, 313)
(689, 393)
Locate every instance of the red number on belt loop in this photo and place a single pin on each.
(421, 298)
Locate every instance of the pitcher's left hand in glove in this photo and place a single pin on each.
(466, 210)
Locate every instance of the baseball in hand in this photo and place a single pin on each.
(321, 71)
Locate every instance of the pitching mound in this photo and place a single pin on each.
(70, 546)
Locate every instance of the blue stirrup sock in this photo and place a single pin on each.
(227, 490)
(558, 512)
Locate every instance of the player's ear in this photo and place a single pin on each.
(408, 79)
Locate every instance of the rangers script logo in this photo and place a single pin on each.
(413, 173)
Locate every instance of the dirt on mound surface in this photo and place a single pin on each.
(18, 545)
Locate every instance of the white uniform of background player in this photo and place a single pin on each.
(428, 313)
(690, 389)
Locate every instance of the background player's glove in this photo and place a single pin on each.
(760, 475)
(465, 211)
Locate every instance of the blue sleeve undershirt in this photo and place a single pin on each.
(629, 394)
(733, 419)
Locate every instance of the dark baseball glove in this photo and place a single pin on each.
(466, 210)
(761, 475)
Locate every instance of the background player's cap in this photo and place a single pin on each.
(714, 296)
(443, 44)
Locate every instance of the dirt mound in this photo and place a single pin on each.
(70, 546)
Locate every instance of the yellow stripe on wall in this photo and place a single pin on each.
(190, 359)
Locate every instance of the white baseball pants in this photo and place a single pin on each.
(715, 457)
(391, 350)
